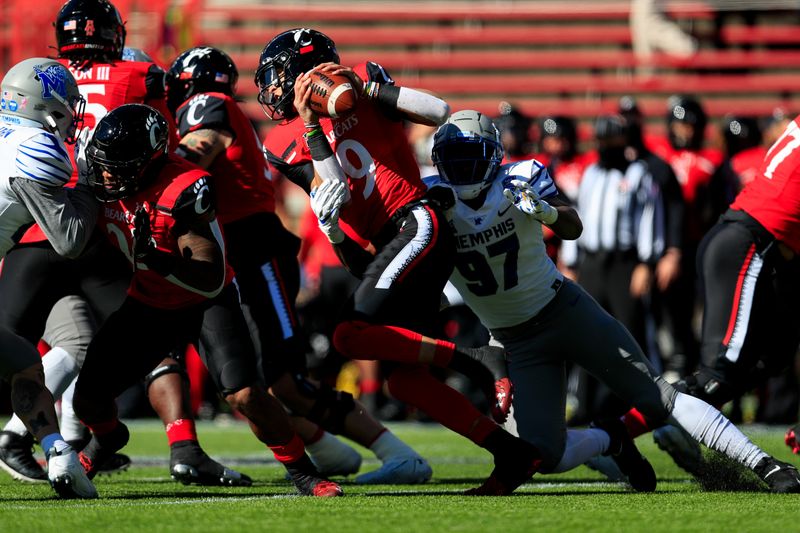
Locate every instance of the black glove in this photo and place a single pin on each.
(144, 246)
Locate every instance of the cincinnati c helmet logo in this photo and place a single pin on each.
(53, 80)
(302, 37)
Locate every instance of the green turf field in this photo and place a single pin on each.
(145, 499)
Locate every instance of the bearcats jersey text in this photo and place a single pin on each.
(502, 268)
(180, 194)
(373, 150)
(243, 183)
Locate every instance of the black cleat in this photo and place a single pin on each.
(189, 464)
(623, 451)
(102, 449)
(781, 477)
(515, 465)
(308, 482)
(499, 395)
(16, 458)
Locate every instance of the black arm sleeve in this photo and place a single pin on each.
(194, 206)
(301, 175)
(354, 258)
(202, 112)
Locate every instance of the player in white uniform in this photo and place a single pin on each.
(40, 109)
(544, 320)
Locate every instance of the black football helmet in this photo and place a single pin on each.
(126, 143)
(688, 110)
(740, 134)
(285, 57)
(563, 127)
(89, 29)
(202, 69)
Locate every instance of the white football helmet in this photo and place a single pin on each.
(42, 92)
(467, 152)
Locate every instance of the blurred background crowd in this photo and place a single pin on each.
(697, 89)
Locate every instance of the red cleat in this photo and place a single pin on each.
(326, 489)
(791, 439)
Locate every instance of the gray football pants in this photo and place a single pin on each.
(573, 327)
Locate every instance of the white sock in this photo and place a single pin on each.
(388, 446)
(329, 453)
(71, 427)
(59, 371)
(706, 424)
(582, 445)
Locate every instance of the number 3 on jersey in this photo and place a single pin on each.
(475, 269)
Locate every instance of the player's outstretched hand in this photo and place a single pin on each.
(326, 200)
(81, 143)
(524, 198)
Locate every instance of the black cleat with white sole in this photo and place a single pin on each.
(189, 464)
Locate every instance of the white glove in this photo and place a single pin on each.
(325, 202)
(524, 198)
(81, 143)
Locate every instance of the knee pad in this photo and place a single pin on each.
(330, 407)
(162, 371)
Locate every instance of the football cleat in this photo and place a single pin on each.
(791, 439)
(307, 481)
(683, 449)
(66, 474)
(399, 471)
(781, 477)
(623, 451)
(102, 449)
(500, 396)
(119, 462)
(16, 458)
(511, 469)
(189, 464)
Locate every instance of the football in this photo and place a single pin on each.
(331, 95)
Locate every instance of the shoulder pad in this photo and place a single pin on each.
(202, 111)
(377, 73)
(194, 203)
(43, 158)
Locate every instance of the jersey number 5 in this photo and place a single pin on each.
(474, 267)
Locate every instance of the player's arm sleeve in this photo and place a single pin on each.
(415, 105)
(67, 217)
(354, 258)
(301, 175)
(201, 266)
(203, 127)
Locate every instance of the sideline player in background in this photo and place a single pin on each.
(504, 274)
(41, 109)
(365, 157)
(159, 211)
(216, 134)
(90, 36)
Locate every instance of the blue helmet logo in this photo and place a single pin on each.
(53, 80)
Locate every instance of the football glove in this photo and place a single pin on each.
(143, 242)
(524, 198)
(326, 200)
(81, 163)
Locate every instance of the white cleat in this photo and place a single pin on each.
(399, 471)
(66, 474)
(683, 449)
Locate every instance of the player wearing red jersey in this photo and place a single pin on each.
(216, 134)
(749, 265)
(159, 212)
(90, 35)
(369, 177)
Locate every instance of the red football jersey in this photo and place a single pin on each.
(106, 86)
(374, 152)
(242, 179)
(747, 164)
(178, 194)
(773, 197)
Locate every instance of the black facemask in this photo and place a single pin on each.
(612, 157)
